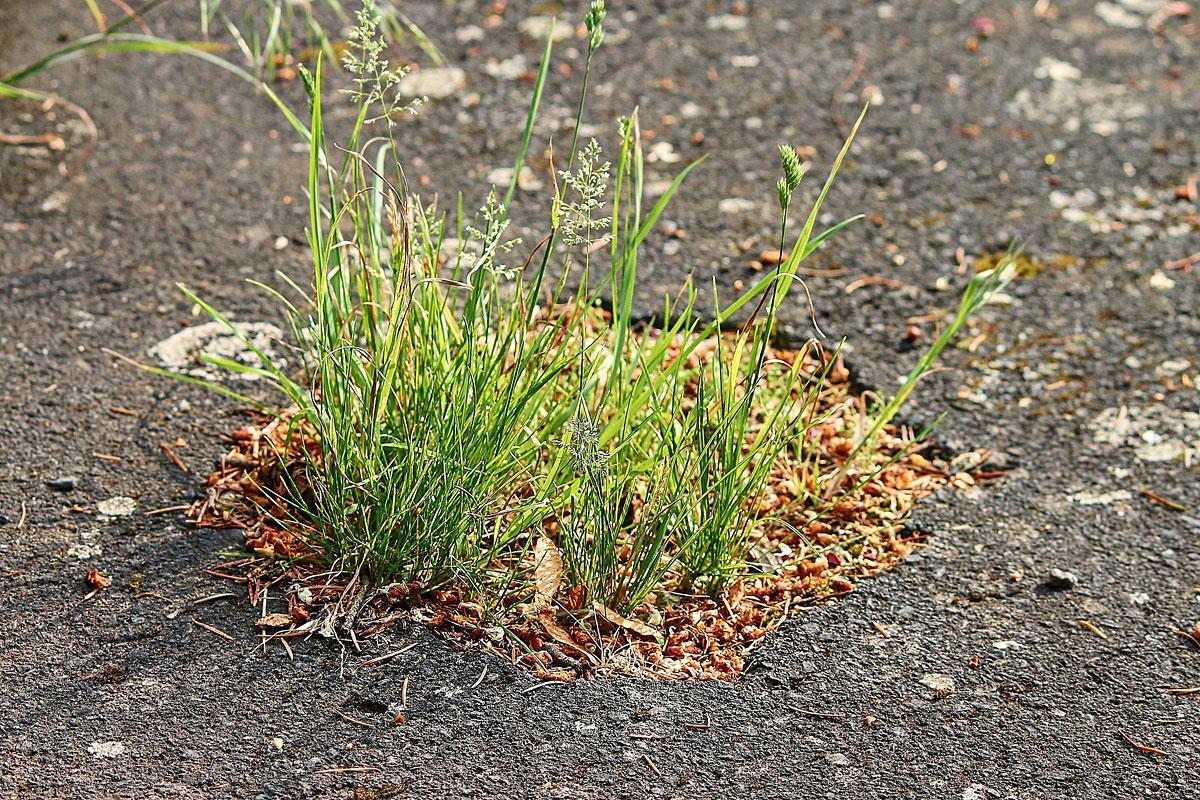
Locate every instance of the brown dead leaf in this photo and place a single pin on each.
(274, 621)
(547, 578)
(547, 572)
(635, 625)
(98, 579)
(546, 617)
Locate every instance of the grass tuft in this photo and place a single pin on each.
(459, 411)
(466, 405)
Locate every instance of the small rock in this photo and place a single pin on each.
(737, 205)
(119, 506)
(837, 759)
(976, 791)
(501, 177)
(1159, 280)
(726, 22)
(510, 69)
(56, 201)
(468, 34)
(1090, 498)
(277, 743)
(185, 351)
(1118, 17)
(85, 550)
(1057, 70)
(432, 82)
(1060, 580)
(940, 683)
(662, 153)
(66, 483)
(539, 27)
(106, 749)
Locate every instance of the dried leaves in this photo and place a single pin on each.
(97, 579)
(547, 578)
(635, 625)
(547, 572)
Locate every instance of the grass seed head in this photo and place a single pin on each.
(594, 21)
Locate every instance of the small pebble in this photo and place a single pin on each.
(726, 22)
(432, 82)
(110, 749)
(1060, 580)
(119, 506)
(66, 483)
(940, 683)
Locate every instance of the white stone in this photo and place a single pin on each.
(1159, 280)
(726, 22)
(119, 506)
(432, 82)
(106, 749)
(1057, 70)
(182, 351)
(501, 177)
(510, 69)
(539, 28)
(468, 34)
(1089, 498)
(662, 153)
(1118, 17)
(938, 682)
(737, 205)
(84, 550)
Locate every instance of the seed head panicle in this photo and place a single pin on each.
(584, 447)
(593, 22)
(793, 173)
(375, 81)
(589, 181)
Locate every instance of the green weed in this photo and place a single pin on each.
(459, 401)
